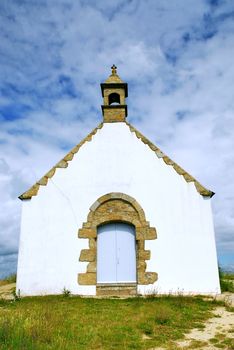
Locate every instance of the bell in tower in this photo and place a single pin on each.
(114, 92)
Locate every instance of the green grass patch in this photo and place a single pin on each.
(226, 281)
(58, 322)
(197, 344)
(228, 276)
(9, 279)
(222, 340)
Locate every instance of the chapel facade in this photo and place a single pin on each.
(116, 216)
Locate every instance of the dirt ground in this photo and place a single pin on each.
(218, 329)
(6, 291)
(217, 334)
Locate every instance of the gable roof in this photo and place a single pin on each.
(63, 163)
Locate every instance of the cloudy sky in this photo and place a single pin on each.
(177, 57)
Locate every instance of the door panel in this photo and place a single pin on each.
(116, 253)
(126, 253)
(106, 254)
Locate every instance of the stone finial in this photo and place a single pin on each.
(114, 69)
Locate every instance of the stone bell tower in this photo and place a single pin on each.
(114, 92)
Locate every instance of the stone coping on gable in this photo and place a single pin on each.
(63, 163)
(188, 178)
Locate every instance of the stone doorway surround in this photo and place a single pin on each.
(116, 207)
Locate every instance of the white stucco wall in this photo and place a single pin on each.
(184, 255)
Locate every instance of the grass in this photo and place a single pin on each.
(9, 279)
(222, 341)
(58, 322)
(228, 276)
(226, 281)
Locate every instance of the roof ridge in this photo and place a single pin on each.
(188, 178)
(63, 163)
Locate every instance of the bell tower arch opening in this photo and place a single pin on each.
(114, 98)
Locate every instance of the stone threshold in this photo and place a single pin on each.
(116, 289)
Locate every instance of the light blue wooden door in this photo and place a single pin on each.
(116, 253)
(106, 254)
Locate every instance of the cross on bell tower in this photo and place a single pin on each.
(114, 92)
(114, 69)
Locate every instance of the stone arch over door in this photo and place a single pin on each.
(116, 207)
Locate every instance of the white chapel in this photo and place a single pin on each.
(116, 216)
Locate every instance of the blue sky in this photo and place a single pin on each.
(177, 57)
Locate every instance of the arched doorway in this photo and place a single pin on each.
(114, 208)
(116, 253)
